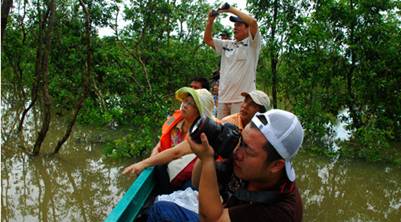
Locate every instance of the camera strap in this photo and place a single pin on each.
(264, 197)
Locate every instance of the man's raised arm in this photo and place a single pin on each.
(207, 36)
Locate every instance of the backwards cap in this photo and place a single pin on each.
(284, 131)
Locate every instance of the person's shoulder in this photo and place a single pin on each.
(230, 118)
(176, 115)
(218, 41)
(256, 38)
(283, 210)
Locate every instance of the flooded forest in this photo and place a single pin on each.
(78, 103)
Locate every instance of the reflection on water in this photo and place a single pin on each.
(348, 190)
(79, 185)
(338, 131)
(74, 186)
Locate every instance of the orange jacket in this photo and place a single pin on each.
(166, 143)
(171, 122)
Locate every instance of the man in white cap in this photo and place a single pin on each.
(239, 58)
(262, 162)
(254, 101)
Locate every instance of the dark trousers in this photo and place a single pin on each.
(169, 211)
(163, 185)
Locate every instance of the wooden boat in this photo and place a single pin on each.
(131, 203)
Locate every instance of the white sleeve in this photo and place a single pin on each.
(257, 41)
(218, 45)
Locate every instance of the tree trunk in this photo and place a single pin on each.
(356, 122)
(5, 11)
(37, 82)
(46, 117)
(273, 54)
(85, 77)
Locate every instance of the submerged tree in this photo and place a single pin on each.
(43, 62)
(86, 75)
(5, 10)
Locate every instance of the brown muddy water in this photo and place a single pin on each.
(79, 184)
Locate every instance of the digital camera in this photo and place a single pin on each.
(223, 138)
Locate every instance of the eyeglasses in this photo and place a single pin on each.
(188, 103)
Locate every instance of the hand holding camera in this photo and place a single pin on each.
(202, 150)
(222, 138)
(216, 12)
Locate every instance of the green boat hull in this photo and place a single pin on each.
(131, 203)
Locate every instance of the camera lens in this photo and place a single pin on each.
(223, 138)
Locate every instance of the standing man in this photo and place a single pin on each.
(239, 58)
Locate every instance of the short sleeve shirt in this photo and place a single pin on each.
(288, 208)
(237, 66)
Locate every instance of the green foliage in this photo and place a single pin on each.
(335, 56)
(91, 115)
(132, 145)
(144, 136)
(331, 56)
(370, 144)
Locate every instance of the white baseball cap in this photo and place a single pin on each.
(284, 131)
(259, 97)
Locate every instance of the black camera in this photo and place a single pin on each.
(216, 12)
(223, 138)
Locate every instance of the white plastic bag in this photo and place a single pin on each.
(187, 198)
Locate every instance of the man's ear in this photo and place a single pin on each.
(277, 165)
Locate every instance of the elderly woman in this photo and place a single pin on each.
(173, 147)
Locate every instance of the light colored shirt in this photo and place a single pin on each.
(177, 135)
(237, 66)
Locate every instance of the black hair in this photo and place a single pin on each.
(262, 109)
(272, 153)
(203, 81)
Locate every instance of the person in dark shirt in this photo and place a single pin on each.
(257, 183)
(266, 190)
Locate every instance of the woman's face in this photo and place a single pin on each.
(188, 108)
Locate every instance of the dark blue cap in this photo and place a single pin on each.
(237, 19)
